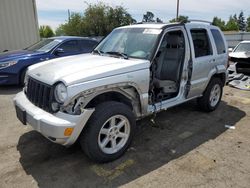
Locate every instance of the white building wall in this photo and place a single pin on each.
(18, 24)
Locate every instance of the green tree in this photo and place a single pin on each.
(46, 31)
(98, 20)
(248, 24)
(60, 31)
(235, 17)
(116, 17)
(74, 27)
(232, 24)
(148, 17)
(181, 18)
(242, 22)
(158, 20)
(219, 23)
(95, 19)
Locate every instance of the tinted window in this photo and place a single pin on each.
(70, 46)
(202, 45)
(87, 45)
(219, 42)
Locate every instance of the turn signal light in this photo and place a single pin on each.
(68, 131)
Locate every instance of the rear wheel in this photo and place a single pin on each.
(212, 96)
(109, 132)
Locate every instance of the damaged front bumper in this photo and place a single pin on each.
(52, 126)
(243, 64)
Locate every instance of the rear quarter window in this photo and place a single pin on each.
(219, 42)
(201, 42)
(88, 45)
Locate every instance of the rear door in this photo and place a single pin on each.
(221, 46)
(203, 57)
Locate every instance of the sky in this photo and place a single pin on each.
(55, 12)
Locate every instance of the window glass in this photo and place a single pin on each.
(243, 47)
(88, 45)
(70, 46)
(202, 45)
(135, 42)
(44, 45)
(219, 42)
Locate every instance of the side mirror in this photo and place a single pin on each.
(230, 50)
(59, 51)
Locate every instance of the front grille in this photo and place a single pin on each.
(40, 94)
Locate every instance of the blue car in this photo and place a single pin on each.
(13, 65)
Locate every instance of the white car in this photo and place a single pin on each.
(241, 55)
(135, 71)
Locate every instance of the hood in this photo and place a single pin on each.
(240, 54)
(83, 68)
(19, 54)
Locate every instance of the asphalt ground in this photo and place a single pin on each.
(184, 148)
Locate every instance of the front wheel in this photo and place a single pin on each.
(212, 96)
(109, 132)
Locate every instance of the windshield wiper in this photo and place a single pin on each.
(98, 52)
(125, 56)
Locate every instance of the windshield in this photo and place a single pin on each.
(132, 42)
(243, 47)
(44, 45)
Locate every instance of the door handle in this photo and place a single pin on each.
(44, 59)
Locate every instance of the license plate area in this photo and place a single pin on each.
(21, 115)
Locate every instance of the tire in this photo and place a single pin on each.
(208, 103)
(99, 135)
(22, 77)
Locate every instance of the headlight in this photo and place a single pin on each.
(60, 93)
(7, 64)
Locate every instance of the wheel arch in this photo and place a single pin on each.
(109, 96)
(220, 72)
(127, 95)
(221, 76)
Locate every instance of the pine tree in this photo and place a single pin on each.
(242, 22)
(248, 24)
(235, 17)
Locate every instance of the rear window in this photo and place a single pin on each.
(219, 42)
(202, 45)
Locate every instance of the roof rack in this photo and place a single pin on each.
(149, 23)
(189, 21)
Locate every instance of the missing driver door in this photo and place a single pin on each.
(171, 73)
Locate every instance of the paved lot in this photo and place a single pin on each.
(186, 148)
